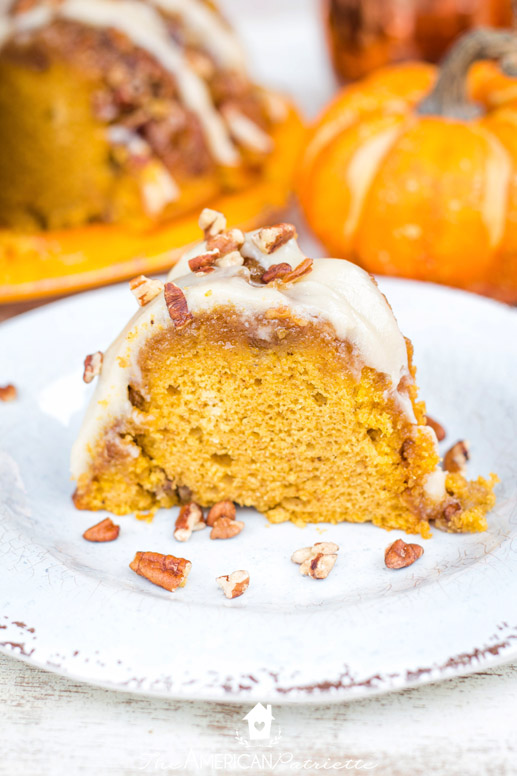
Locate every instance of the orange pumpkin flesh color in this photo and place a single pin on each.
(56, 262)
(416, 176)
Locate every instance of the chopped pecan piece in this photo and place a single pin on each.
(203, 262)
(327, 548)
(316, 561)
(276, 272)
(136, 398)
(92, 366)
(145, 289)
(189, 519)
(226, 528)
(177, 305)
(399, 554)
(269, 239)
(456, 459)
(105, 531)
(8, 392)
(318, 567)
(164, 570)
(212, 222)
(303, 268)
(450, 518)
(437, 428)
(221, 509)
(284, 274)
(235, 584)
(226, 242)
(450, 510)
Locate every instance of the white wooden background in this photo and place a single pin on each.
(51, 725)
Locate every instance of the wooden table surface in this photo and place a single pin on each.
(11, 310)
(52, 725)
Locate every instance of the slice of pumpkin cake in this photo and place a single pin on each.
(259, 375)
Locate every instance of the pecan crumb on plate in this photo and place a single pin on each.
(456, 459)
(190, 519)
(221, 509)
(316, 561)
(399, 555)
(164, 570)
(226, 528)
(8, 392)
(235, 584)
(437, 428)
(105, 531)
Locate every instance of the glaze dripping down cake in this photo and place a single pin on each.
(259, 375)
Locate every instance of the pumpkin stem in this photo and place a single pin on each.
(449, 95)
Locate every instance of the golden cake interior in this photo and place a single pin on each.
(294, 426)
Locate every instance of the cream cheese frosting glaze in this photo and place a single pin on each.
(208, 26)
(335, 291)
(147, 29)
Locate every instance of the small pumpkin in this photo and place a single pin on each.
(413, 171)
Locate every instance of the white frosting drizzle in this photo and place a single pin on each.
(246, 132)
(335, 291)
(208, 26)
(143, 24)
(5, 28)
(37, 17)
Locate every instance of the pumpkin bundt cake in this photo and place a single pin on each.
(119, 121)
(258, 375)
(123, 111)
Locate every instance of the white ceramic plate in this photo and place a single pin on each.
(76, 607)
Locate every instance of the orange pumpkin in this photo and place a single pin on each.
(415, 175)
